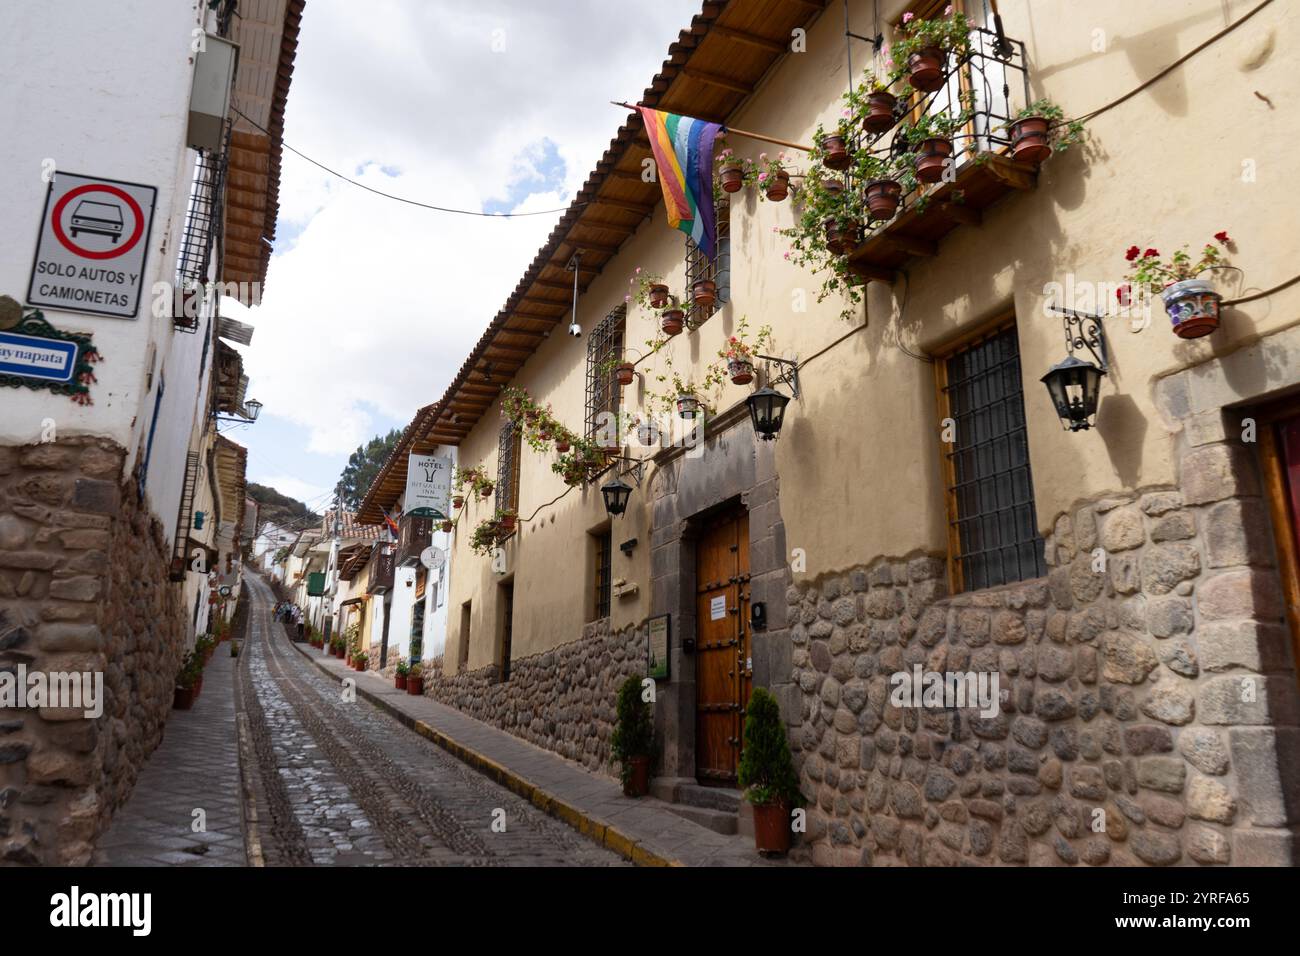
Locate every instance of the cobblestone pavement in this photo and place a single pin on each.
(196, 767)
(339, 782)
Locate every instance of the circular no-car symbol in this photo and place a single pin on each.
(96, 209)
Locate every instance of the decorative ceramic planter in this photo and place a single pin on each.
(1193, 307)
(688, 406)
(931, 159)
(835, 154)
(925, 69)
(704, 293)
(1031, 140)
(882, 198)
(626, 373)
(741, 372)
(880, 111)
(772, 827)
(778, 186)
(647, 433)
(672, 321)
(732, 177)
(638, 782)
(658, 296)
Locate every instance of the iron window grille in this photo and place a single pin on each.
(604, 576)
(604, 351)
(200, 237)
(698, 266)
(507, 486)
(994, 525)
(185, 517)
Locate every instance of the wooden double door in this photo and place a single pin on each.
(723, 663)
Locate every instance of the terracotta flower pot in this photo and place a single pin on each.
(506, 524)
(486, 491)
(835, 153)
(1193, 307)
(772, 827)
(732, 176)
(638, 783)
(704, 293)
(198, 687)
(399, 681)
(446, 527)
(626, 373)
(880, 111)
(672, 321)
(931, 159)
(658, 295)
(562, 445)
(833, 186)
(882, 197)
(1031, 140)
(741, 371)
(925, 69)
(842, 237)
(647, 433)
(778, 186)
(414, 685)
(457, 501)
(183, 698)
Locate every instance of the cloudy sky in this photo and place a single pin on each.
(370, 305)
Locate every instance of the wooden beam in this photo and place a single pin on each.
(541, 318)
(514, 349)
(611, 224)
(542, 300)
(561, 263)
(635, 207)
(915, 247)
(587, 245)
(868, 271)
(966, 215)
(1010, 173)
(715, 79)
(741, 36)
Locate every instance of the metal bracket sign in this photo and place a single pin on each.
(428, 486)
(92, 246)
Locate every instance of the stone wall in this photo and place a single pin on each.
(562, 700)
(83, 587)
(1150, 704)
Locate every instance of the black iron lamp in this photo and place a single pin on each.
(254, 408)
(1074, 385)
(616, 494)
(767, 410)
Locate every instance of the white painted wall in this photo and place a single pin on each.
(103, 89)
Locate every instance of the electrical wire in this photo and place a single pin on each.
(403, 199)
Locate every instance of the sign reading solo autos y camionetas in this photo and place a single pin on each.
(92, 245)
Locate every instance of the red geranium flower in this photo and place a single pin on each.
(1150, 252)
(1123, 293)
(1133, 253)
(1222, 237)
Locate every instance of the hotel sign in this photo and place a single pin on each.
(428, 487)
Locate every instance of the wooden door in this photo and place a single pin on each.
(723, 665)
(1279, 443)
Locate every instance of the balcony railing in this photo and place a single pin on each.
(414, 534)
(381, 572)
(980, 82)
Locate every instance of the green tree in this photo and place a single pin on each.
(363, 466)
(766, 766)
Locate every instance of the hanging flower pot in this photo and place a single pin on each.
(732, 176)
(562, 445)
(842, 236)
(544, 434)
(486, 490)
(446, 527)
(834, 187)
(925, 69)
(882, 198)
(647, 433)
(625, 372)
(658, 295)
(704, 293)
(835, 153)
(457, 501)
(1031, 140)
(880, 111)
(1193, 307)
(532, 414)
(778, 185)
(931, 158)
(672, 321)
(741, 371)
(688, 406)
(506, 525)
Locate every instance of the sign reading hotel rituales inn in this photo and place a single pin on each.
(428, 486)
(92, 246)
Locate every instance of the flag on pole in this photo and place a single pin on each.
(392, 525)
(683, 151)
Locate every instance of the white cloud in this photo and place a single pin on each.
(379, 302)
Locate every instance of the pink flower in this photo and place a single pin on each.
(846, 112)
(638, 270)
(627, 298)
(762, 177)
(909, 17)
(787, 255)
(947, 11)
(762, 157)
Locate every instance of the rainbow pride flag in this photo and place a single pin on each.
(683, 151)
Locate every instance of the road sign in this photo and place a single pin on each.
(92, 245)
(30, 357)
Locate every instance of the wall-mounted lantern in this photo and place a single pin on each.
(767, 411)
(616, 494)
(254, 408)
(1074, 385)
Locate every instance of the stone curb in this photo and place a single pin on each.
(602, 833)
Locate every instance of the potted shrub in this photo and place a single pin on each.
(187, 679)
(633, 740)
(360, 660)
(767, 773)
(923, 46)
(704, 292)
(1190, 301)
(1041, 129)
(399, 679)
(415, 679)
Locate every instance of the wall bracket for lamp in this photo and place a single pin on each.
(1084, 331)
(789, 375)
(637, 469)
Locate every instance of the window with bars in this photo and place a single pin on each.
(199, 238)
(719, 270)
(604, 573)
(604, 350)
(993, 527)
(507, 484)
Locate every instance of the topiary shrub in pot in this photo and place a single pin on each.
(633, 740)
(767, 773)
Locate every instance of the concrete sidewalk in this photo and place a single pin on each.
(643, 830)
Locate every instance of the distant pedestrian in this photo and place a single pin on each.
(297, 616)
